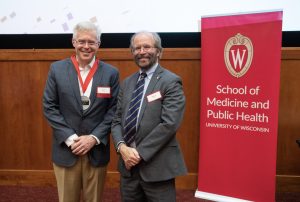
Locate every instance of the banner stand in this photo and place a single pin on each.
(216, 197)
(240, 82)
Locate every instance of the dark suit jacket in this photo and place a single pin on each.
(157, 125)
(63, 109)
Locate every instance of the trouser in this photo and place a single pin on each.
(82, 177)
(135, 189)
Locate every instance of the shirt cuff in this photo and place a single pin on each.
(70, 140)
(98, 141)
(119, 145)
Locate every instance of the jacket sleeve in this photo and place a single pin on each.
(51, 108)
(116, 127)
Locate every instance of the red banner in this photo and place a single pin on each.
(240, 80)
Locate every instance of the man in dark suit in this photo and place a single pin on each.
(144, 131)
(79, 102)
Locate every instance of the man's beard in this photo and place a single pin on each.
(151, 61)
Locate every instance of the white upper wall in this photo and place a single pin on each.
(127, 16)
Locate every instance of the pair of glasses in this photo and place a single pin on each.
(84, 42)
(139, 49)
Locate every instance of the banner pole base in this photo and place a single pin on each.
(216, 197)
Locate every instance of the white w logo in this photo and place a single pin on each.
(237, 58)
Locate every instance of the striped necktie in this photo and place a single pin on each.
(131, 117)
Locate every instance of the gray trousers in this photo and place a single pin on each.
(134, 189)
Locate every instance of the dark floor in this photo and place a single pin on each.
(49, 194)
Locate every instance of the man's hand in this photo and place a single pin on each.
(83, 144)
(130, 156)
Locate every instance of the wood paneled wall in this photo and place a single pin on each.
(25, 146)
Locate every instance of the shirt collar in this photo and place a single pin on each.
(150, 71)
(89, 66)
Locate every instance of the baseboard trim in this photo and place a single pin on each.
(287, 183)
(284, 183)
(47, 178)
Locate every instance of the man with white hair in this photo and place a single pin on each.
(79, 102)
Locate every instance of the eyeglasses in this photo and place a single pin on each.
(89, 43)
(145, 48)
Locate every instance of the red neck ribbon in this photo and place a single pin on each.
(86, 82)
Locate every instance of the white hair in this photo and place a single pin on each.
(86, 26)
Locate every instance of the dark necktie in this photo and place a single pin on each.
(131, 117)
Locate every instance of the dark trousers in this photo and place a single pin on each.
(134, 189)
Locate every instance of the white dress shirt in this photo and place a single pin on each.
(84, 71)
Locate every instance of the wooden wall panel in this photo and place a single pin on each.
(25, 146)
(288, 152)
(23, 143)
(288, 158)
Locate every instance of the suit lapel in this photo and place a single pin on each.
(132, 82)
(129, 88)
(96, 82)
(74, 83)
(154, 79)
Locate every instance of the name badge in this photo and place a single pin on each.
(154, 96)
(103, 92)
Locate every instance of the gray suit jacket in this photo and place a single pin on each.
(63, 110)
(157, 125)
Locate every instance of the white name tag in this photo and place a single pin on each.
(103, 90)
(154, 96)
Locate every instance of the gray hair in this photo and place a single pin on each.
(86, 26)
(154, 35)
